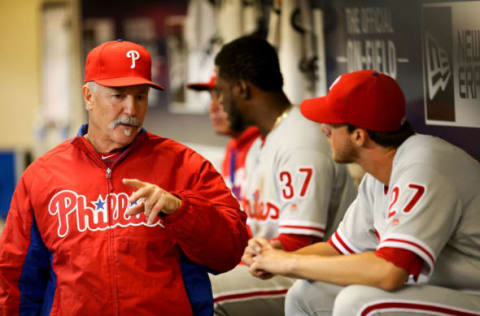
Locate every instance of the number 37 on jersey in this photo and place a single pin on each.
(295, 184)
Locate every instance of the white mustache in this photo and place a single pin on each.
(130, 120)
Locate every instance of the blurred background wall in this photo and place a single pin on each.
(21, 70)
(431, 47)
(28, 87)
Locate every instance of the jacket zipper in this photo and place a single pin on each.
(111, 242)
(111, 245)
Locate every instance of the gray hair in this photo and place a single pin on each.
(93, 86)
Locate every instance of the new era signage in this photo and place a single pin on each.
(451, 63)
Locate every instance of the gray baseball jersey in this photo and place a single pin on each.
(293, 185)
(430, 207)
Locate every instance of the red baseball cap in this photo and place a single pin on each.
(366, 99)
(118, 64)
(203, 86)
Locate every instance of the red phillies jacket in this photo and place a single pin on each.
(69, 249)
(233, 166)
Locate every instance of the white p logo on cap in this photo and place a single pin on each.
(134, 55)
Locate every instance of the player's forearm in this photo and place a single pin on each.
(365, 268)
(319, 249)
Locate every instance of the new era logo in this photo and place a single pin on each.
(437, 66)
(437, 61)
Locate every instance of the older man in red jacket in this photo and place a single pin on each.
(118, 221)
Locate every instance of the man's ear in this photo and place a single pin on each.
(244, 89)
(359, 136)
(87, 97)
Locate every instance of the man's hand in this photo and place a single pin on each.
(276, 244)
(151, 200)
(253, 249)
(269, 261)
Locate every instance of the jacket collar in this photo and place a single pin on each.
(81, 143)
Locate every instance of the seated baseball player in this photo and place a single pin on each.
(242, 138)
(410, 242)
(295, 193)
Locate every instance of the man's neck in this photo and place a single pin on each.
(378, 162)
(272, 108)
(100, 146)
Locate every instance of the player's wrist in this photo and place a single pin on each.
(291, 264)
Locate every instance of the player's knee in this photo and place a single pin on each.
(294, 300)
(310, 298)
(352, 298)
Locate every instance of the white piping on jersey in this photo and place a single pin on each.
(296, 222)
(274, 287)
(250, 296)
(339, 239)
(300, 231)
(301, 227)
(410, 306)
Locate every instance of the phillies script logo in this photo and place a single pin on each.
(259, 210)
(72, 209)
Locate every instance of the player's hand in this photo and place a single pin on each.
(151, 200)
(253, 249)
(270, 261)
(276, 244)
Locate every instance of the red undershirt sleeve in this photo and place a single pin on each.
(402, 258)
(292, 242)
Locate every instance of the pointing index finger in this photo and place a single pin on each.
(135, 183)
